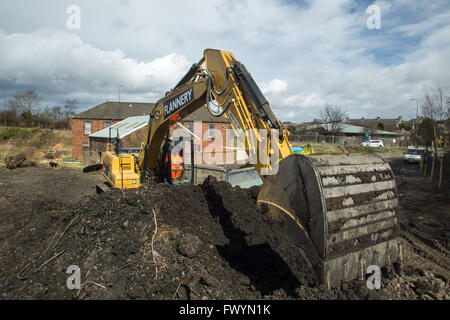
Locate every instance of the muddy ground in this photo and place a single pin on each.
(183, 242)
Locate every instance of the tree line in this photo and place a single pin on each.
(430, 130)
(24, 110)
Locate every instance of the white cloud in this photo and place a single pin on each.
(62, 62)
(303, 54)
(274, 87)
(306, 100)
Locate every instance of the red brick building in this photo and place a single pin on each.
(211, 139)
(212, 132)
(101, 117)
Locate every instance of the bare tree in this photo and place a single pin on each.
(57, 112)
(24, 103)
(69, 108)
(332, 117)
(435, 108)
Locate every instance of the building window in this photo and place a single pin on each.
(107, 124)
(87, 127)
(211, 129)
(190, 127)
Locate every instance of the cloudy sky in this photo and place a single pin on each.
(302, 54)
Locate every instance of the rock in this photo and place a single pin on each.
(209, 280)
(243, 279)
(301, 293)
(280, 293)
(388, 272)
(423, 285)
(189, 245)
(438, 288)
(373, 295)
(13, 162)
(362, 291)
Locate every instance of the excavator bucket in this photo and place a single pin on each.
(340, 211)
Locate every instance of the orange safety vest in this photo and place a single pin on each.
(177, 168)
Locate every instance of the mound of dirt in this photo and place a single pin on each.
(166, 241)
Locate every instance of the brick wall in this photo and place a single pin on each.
(79, 138)
(212, 149)
(221, 127)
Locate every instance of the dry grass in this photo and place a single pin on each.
(35, 142)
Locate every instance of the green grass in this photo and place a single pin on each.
(34, 142)
(17, 133)
(326, 148)
(391, 150)
(335, 148)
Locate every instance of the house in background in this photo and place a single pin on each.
(100, 117)
(211, 142)
(90, 136)
(378, 123)
(347, 134)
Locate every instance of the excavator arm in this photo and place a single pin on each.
(225, 81)
(339, 211)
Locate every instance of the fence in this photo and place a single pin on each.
(437, 169)
(346, 140)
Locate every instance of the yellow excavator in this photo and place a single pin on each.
(341, 211)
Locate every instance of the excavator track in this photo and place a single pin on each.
(341, 212)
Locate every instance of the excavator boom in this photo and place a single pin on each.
(339, 211)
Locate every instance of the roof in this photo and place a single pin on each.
(125, 127)
(122, 110)
(116, 110)
(202, 114)
(389, 124)
(348, 128)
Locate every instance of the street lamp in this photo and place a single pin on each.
(417, 111)
(121, 86)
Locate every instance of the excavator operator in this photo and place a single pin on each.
(176, 165)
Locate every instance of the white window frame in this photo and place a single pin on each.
(86, 126)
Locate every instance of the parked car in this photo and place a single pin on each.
(373, 143)
(413, 154)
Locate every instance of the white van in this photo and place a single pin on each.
(373, 143)
(413, 154)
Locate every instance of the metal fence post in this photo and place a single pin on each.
(425, 163)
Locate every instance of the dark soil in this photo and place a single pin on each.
(208, 242)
